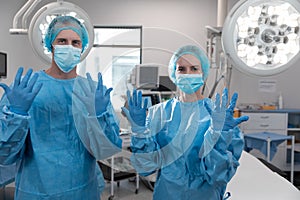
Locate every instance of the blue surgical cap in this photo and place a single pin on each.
(193, 50)
(65, 23)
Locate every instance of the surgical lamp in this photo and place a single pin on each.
(261, 37)
(41, 20)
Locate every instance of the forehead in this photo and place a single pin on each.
(188, 59)
(68, 34)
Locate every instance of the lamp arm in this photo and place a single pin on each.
(28, 12)
(20, 12)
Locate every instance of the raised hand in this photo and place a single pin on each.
(136, 112)
(230, 121)
(93, 98)
(222, 116)
(23, 92)
(101, 99)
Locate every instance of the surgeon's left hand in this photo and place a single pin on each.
(222, 116)
(94, 96)
(101, 99)
(137, 110)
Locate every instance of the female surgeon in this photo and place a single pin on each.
(55, 124)
(192, 142)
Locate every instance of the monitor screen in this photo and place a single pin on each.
(146, 76)
(3, 64)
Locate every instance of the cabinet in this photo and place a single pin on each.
(286, 122)
(265, 122)
(294, 127)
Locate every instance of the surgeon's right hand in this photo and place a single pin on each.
(136, 112)
(222, 115)
(218, 110)
(22, 93)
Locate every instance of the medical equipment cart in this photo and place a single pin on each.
(117, 168)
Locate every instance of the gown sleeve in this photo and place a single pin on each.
(14, 130)
(99, 134)
(146, 155)
(220, 164)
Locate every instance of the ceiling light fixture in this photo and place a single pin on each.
(261, 37)
(41, 20)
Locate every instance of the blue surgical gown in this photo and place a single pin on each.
(191, 160)
(54, 162)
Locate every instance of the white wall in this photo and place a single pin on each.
(167, 25)
(16, 46)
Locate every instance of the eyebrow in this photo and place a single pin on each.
(190, 66)
(62, 38)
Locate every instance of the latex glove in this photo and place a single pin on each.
(101, 99)
(94, 100)
(23, 92)
(222, 116)
(136, 112)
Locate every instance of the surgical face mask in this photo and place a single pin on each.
(189, 83)
(66, 57)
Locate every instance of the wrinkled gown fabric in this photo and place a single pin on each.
(54, 162)
(191, 160)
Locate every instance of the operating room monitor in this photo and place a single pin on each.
(145, 76)
(3, 64)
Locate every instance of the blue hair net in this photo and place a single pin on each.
(193, 50)
(65, 23)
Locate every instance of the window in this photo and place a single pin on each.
(115, 52)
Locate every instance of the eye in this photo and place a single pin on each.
(181, 69)
(61, 41)
(76, 43)
(195, 68)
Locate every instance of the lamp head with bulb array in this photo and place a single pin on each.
(40, 22)
(262, 37)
